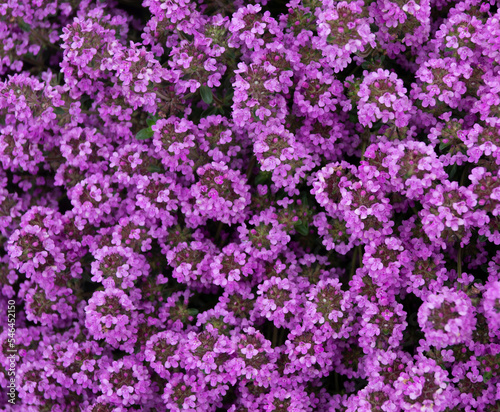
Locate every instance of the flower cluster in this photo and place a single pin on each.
(270, 206)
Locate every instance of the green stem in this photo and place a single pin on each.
(31, 61)
(181, 35)
(219, 228)
(275, 336)
(464, 174)
(219, 102)
(43, 40)
(329, 256)
(162, 96)
(281, 339)
(363, 149)
(250, 167)
(459, 261)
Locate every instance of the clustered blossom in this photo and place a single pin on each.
(250, 206)
(446, 318)
(382, 96)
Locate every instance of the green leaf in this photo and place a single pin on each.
(150, 121)
(24, 26)
(377, 125)
(254, 110)
(156, 169)
(144, 134)
(487, 376)
(208, 112)
(301, 228)
(305, 202)
(231, 55)
(453, 171)
(59, 110)
(206, 94)
(228, 98)
(443, 146)
(262, 177)
(442, 365)
(167, 293)
(192, 311)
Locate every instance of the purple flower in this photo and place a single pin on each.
(111, 315)
(424, 384)
(125, 381)
(447, 318)
(491, 306)
(118, 266)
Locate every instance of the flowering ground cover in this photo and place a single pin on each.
(250, 205)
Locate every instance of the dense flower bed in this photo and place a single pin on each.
(250, 206)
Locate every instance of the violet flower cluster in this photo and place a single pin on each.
(250, 205)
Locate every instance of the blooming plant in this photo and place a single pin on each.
(219, 205)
